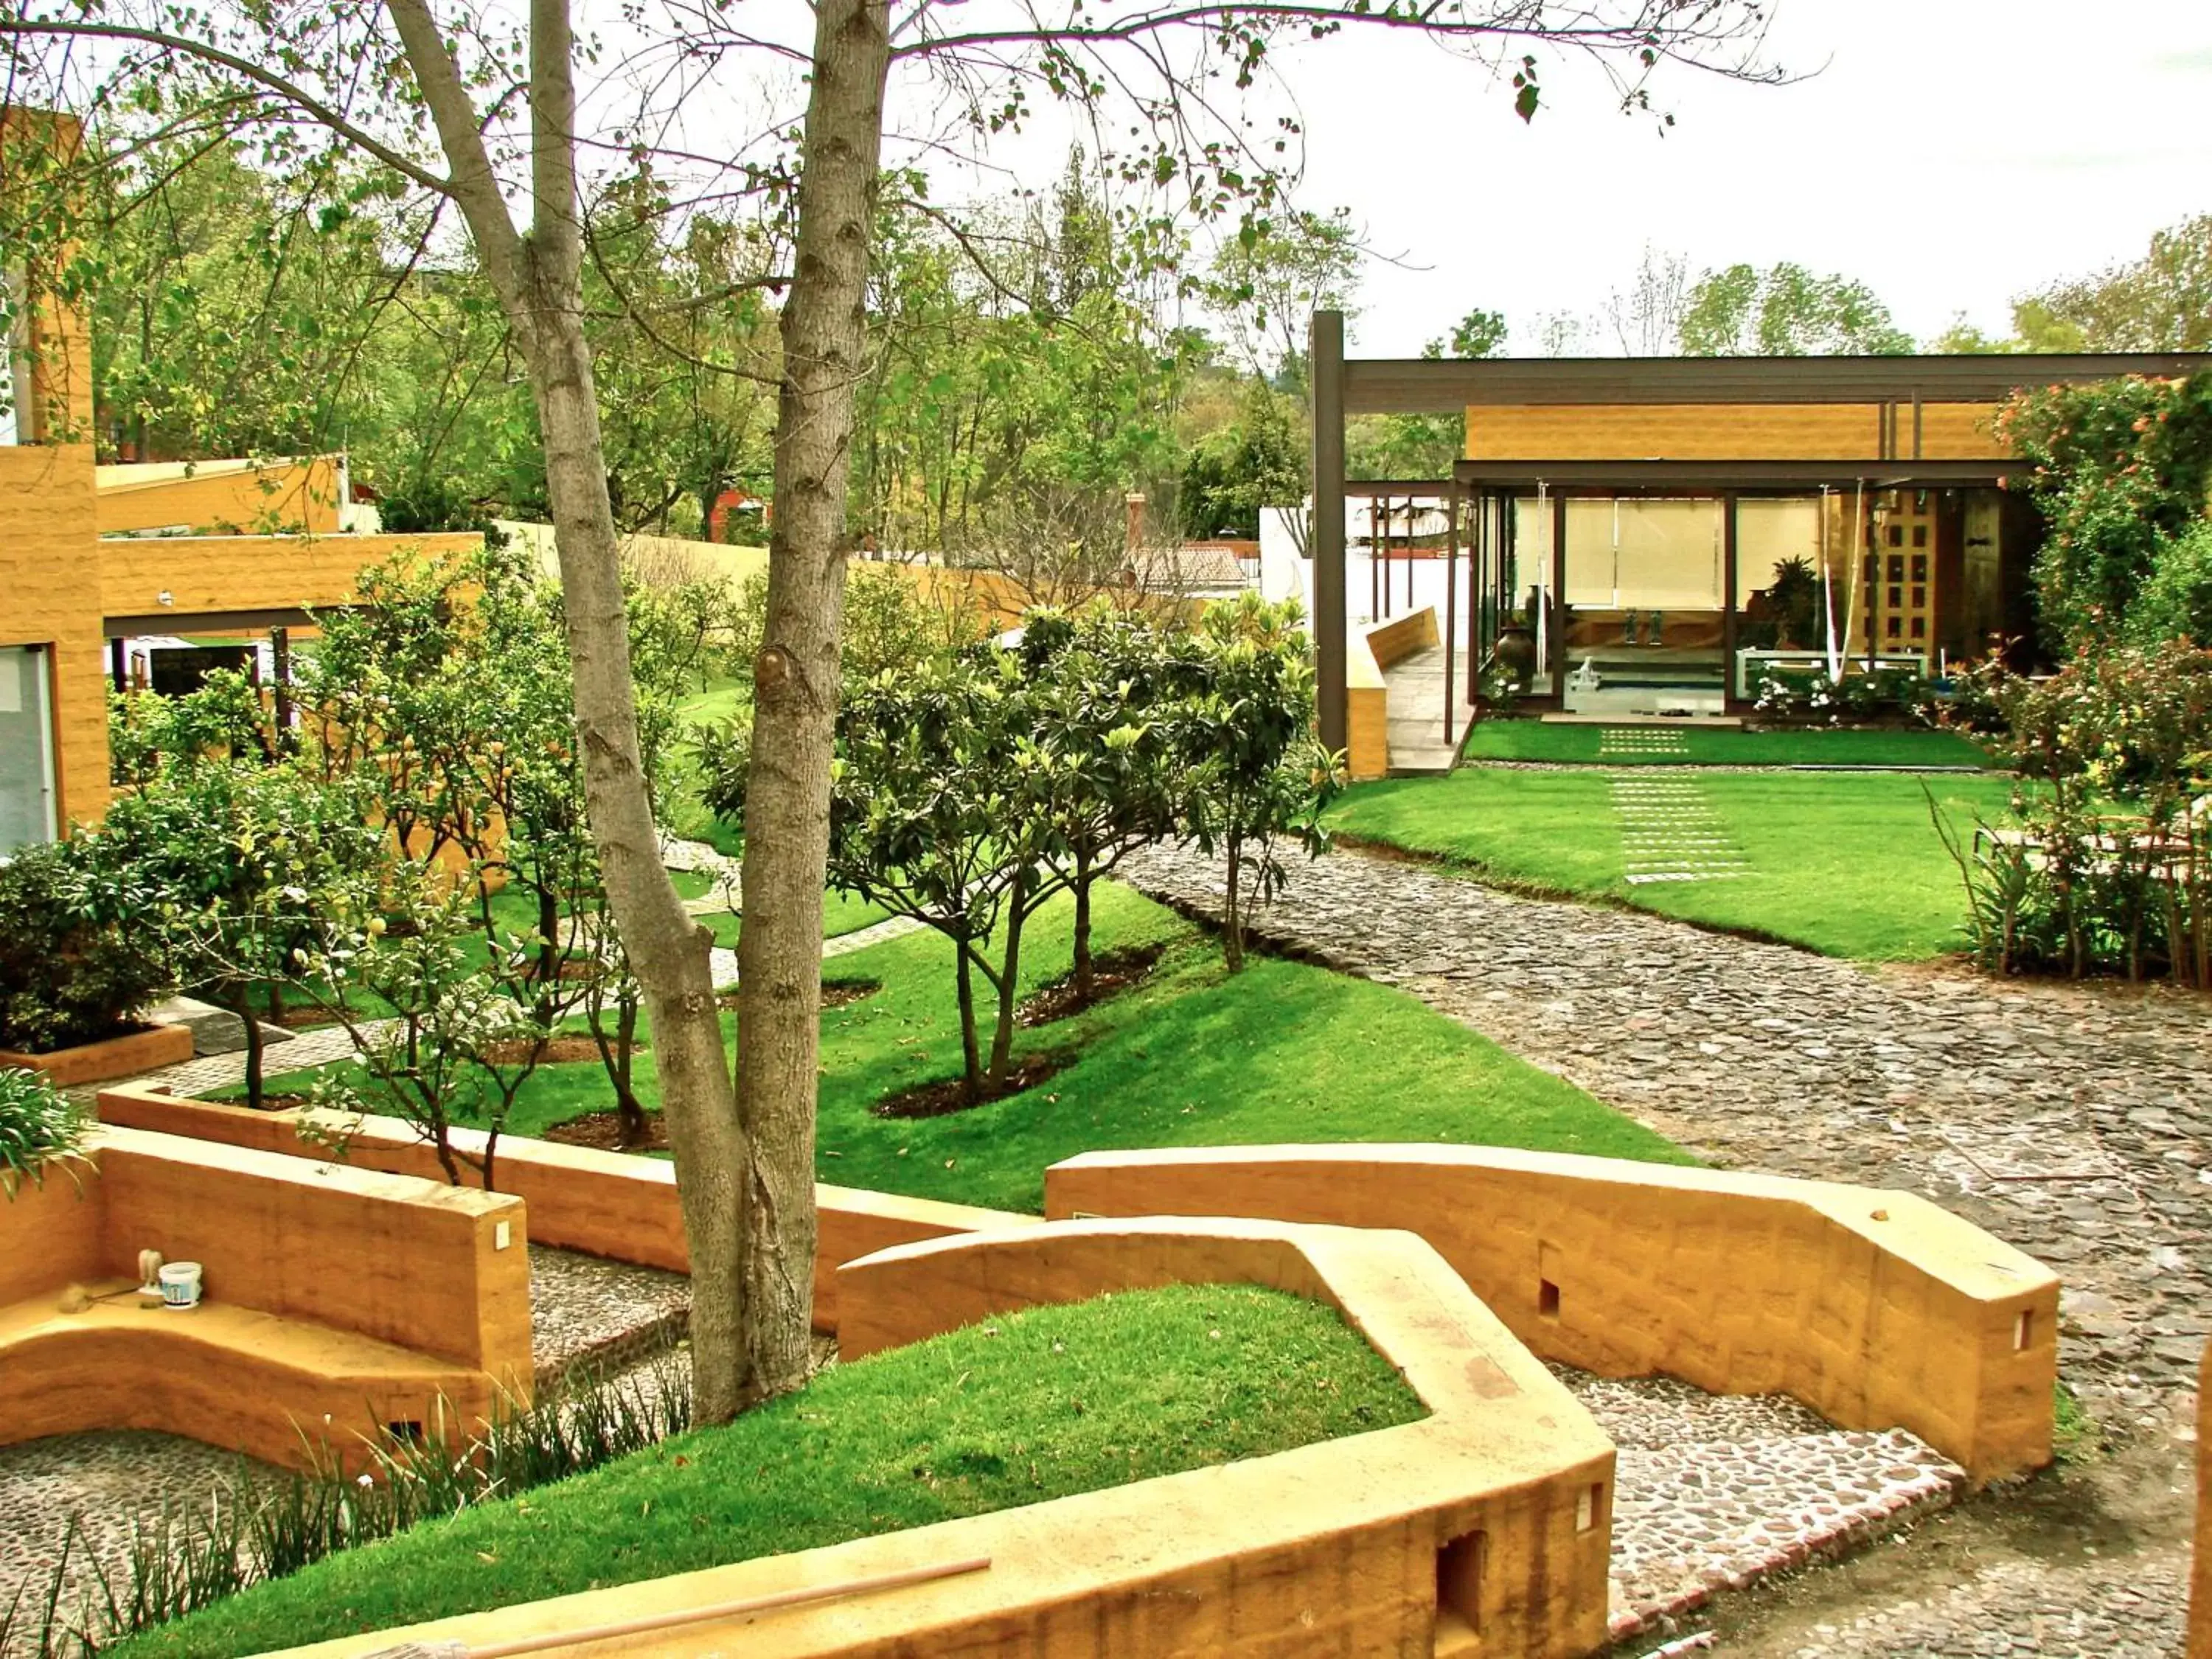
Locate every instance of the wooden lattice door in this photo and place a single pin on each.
(1899, 585)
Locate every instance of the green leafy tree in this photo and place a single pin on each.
(238, 868)
(941, 813)
(1787, 311)
(2161, 302)
(1104, 688)
(1257, 777)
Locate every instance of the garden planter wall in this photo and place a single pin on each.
(147, 1050)
(614, 1205)
(335, 1302)
(1484, 1528)
(2200, 1593)
(1876, 1309)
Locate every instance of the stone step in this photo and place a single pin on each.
(1456, 1638)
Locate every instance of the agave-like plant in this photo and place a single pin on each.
(39, 1127)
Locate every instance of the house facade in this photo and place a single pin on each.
(1668, 533)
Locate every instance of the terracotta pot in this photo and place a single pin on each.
(1516, 652)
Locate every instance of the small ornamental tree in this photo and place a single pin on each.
(1102, 685)
(238, 868)
(1255, 775)
(2119, 469)
(940, 811)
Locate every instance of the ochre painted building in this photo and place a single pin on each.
(89, 556)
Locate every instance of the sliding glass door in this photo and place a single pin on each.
(26, 752)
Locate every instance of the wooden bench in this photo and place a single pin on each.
(338, 1305)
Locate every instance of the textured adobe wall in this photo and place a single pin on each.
(607, 1204)
(204, 574)
(1874, 1308)
(1497, 1505)
(278, 496)
(47, 546)
(1367, 698)
(338, 1300)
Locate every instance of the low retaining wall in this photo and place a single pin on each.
(615, 1205)
(144, 1050)
(1366, 694)
(1485, 1527)
(1876, 1309)
(336, 1301)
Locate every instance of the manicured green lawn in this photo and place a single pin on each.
(1533, 740)
(1033, 1406)
(1192, 1057)
(1846, 864)
(715, 703)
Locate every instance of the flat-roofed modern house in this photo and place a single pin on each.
(93, 556)
(1631, 513)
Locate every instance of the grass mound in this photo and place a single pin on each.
(1037, 1405)
(1190, 1056)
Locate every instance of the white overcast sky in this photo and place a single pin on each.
(1950, 152)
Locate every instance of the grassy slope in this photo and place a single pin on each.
(1847, 864)
(1533, 740)
(1034, 1406)
(1194, 1057)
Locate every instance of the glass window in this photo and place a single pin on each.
(1634, 553)
(26, 756)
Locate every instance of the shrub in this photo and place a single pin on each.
(1811, 694)
(38, 1126)
(2176, 602)
(2113, 868)
(2118, 468)
(69, 972)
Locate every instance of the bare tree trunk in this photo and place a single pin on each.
(1009, 987)
(1085, 976)
(540, 286)
(824, 331)
(971, 1053)
(1232, 922)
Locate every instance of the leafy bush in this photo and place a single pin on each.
(37, 1126)
(2112, 868)
(70, 973)
(2119, 468)
(2176, 602)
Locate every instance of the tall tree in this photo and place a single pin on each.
(489, 120)
(2161, 302)
(1786, 311)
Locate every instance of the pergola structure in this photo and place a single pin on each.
(1883, 424)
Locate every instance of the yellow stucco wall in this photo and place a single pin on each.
(1876, 1309)
(328, 1290)
(46, 550)
(210, 573)
(1706, 432)
(222, 497)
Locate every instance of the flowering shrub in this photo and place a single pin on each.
(2111, 866)
(1812, 694)
(2119, 469)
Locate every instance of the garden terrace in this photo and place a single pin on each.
(1371, 1541)
(338, 1297)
